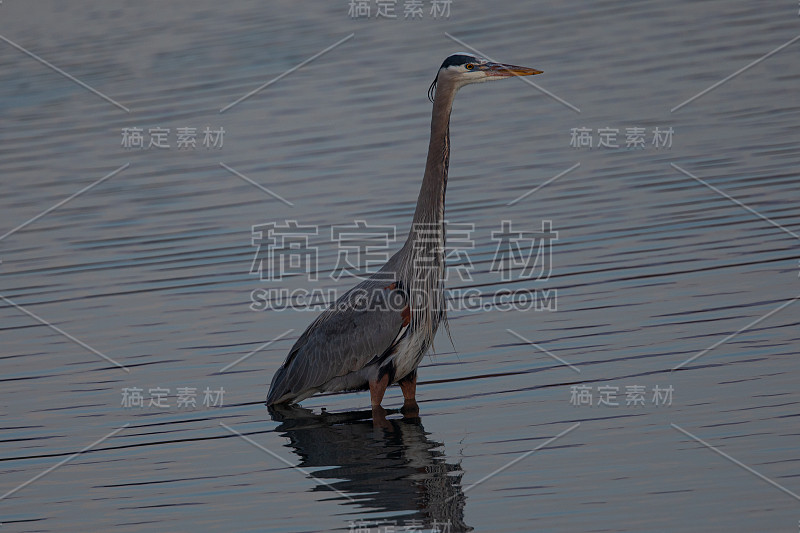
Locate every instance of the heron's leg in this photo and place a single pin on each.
(409, 387)
(377, 389)
(379, 418)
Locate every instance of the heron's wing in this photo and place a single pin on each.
(363, 324)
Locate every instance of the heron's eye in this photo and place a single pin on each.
(469, 66)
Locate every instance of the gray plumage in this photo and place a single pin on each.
(384, 325)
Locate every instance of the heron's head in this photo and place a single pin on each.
(464, 68)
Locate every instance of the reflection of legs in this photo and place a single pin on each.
(409, 387)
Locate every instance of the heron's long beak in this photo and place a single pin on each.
(504, 71)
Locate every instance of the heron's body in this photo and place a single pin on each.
(369, 335)
(377, 333)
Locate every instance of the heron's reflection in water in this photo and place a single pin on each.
(390, 467)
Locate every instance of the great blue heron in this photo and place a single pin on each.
(377, 333)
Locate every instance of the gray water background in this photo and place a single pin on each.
(152, 266)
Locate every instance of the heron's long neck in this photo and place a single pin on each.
(430, 204)
(423, 265)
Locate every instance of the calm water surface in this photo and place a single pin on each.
(151, 268)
